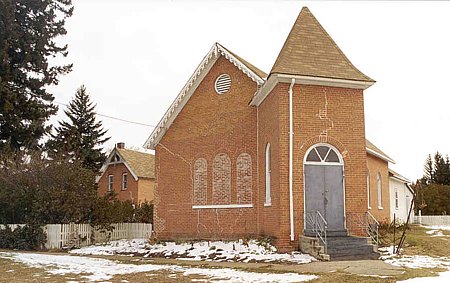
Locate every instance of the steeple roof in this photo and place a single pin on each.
(310, 51)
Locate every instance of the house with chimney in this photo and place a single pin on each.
(283, 154)
(130, 174)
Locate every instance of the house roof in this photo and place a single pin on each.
(205, 65)
(255, 69)
(310, 51)
(396, 175)
(375, 151)
(142, 164)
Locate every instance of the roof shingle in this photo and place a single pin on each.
(310, 51)
(142, 164)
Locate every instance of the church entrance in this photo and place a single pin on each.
(324, 188)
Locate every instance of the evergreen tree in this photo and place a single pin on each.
(27, 40)
(81, 137)
(428, 174)
(441, 170)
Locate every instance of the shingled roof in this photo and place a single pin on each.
(372, 149)
(142, 164)
(310, 51)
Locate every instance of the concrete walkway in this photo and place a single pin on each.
(357, 267)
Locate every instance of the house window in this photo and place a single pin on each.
(110, 182)
(124, 181)
(221, 190)
(368, 190)
(244, 178)
(379, 190)
(396, 199)
(268, 172)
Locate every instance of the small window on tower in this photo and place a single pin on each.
(223, 84)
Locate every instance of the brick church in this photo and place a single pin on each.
(244, 153)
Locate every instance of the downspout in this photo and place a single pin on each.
(291, 137)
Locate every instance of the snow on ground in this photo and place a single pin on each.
(211, 251)
(436, 231)
(421, 261)
(96, 269)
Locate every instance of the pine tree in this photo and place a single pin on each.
(428, 174)
(441, 170)
(27, 40)
(81, 137)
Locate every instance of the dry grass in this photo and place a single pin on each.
(417, 242)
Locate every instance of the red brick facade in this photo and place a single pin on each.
(137, 191)
(209, 127)
(211, 159)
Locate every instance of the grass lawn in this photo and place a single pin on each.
(418, 242)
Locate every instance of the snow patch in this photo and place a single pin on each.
(241, 251)
(95, 269)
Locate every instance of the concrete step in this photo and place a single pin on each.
(354, 249)
(354, 256)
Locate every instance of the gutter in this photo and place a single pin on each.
(291, 136)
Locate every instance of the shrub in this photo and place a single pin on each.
(28, 237)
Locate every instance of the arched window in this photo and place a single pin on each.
(221, 191)
(368, 190)
(323, 154)
(200, 182)
(268, 200)
(379, 190)
(244, 178)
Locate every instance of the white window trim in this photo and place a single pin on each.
(368, 191)
(396, 199)
(124, 188)
(379, 191)
(216, 206)
(268, 185)
(110, 182)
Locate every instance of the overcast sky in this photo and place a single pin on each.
(135, 56)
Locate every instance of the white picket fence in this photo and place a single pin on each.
(79, 235)
(432, 220)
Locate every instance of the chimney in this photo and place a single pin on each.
(120, 145)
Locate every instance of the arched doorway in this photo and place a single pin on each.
(324, 187)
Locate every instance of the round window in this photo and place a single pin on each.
(223, 84)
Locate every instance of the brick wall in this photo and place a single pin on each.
(375, 166)
(217, 130)
(146, 190)
(321, 114)
(131, 193)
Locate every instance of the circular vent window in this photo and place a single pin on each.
(223, 84)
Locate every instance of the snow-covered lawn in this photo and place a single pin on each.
(96, 269)
(210, 251)
(421, 261)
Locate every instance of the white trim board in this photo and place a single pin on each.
(218, 206)
(376, 154)
(188, 90)
(274, 79)
(108, 162)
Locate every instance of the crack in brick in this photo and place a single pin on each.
(323, 115)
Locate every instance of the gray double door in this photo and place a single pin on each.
(324, 192)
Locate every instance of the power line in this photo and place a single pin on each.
(114, 118)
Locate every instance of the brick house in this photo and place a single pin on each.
(244, 153)
(129, 173)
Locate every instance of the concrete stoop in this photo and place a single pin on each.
(339, 248)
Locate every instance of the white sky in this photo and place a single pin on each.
(135, 56)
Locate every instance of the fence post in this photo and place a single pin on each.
(420, 217)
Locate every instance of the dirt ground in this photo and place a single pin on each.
(418, 242)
